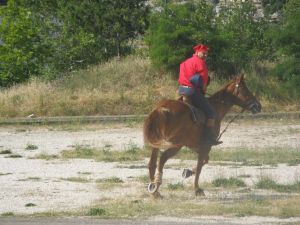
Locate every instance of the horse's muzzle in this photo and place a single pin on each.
(254, 106)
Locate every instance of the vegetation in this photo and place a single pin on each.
(268, 183)
(47, 38)
(230, 182)
(67, 58)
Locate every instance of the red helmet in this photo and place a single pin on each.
(200, 48)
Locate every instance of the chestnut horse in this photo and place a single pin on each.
(170, 126)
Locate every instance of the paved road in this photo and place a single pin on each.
(170, 221)
(81, 221)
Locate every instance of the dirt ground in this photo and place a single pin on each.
(46, 183)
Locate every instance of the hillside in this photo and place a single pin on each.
(126, 86)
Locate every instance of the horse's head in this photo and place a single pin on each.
(242, 95)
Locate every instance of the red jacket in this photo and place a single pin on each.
(189, 68)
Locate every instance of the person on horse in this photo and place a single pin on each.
(193, 81)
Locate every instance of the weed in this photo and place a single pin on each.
(76, 179)
(5, 152)
(96, 212)
(30, 179)
(176, 186)
(268, 183)
(130, 154)
(14, 156)
(231, 182)
(45, 157)
(31, 147)
(30, 205)
(8, 214)
(143, 179)
(113, 180)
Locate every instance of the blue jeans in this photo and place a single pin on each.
(199, 100)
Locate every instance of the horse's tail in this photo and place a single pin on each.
(155, 127)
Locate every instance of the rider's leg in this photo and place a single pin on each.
(200, 101)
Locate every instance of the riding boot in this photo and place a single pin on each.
(210, 137)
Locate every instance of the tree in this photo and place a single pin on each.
(42, 37)
(21, 51)
(241, 38)
(287, 40)
(175, 28)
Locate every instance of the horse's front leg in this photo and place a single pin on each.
(202, 160)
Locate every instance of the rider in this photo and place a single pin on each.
(193, 80)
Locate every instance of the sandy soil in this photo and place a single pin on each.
(45, 183)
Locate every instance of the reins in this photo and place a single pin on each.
(231, 121)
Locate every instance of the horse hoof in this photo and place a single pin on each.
(199, 192)
(186, 173)
(152, 188)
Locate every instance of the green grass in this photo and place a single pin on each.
(175, 186)
(8, 214)
(248, 157)
(110, 180)
(228, 182)
(31, 147)
(30, 205)
(3, 152)
(268, 183)
(96, 212)
(185, 207)
(45, 156)
(76, 179)
(130, 154)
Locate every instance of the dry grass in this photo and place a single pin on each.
(126, 86)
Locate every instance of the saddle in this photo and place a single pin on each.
(198, 116)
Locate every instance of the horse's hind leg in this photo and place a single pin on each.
(202, 160)
(153, 163)
(153, 187)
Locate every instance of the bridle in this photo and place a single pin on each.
(235, 93)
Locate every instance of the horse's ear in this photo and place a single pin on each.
(242, 77)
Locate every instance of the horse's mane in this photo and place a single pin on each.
(221, 92)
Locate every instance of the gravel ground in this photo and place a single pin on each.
(45, 183)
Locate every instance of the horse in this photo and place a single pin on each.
(171, 125)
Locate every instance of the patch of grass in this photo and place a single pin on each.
(84, 173)
(108, 183)
(256, 157)
(14, 156)
(31, 179)
(45, 156)
(76, 179)
(30, 205)
(114, 180)
(130, 154)
(3, 152)
(31, 147)
(175, 186)
(268, 183)
(185, 207)
(228, 182)
(8, 214)
(143, 179)
(96, 212)
(4, 174)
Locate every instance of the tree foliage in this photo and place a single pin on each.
(287, 40)
(241, 40)
(174, 29)
(235, 37)
(46, 37)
